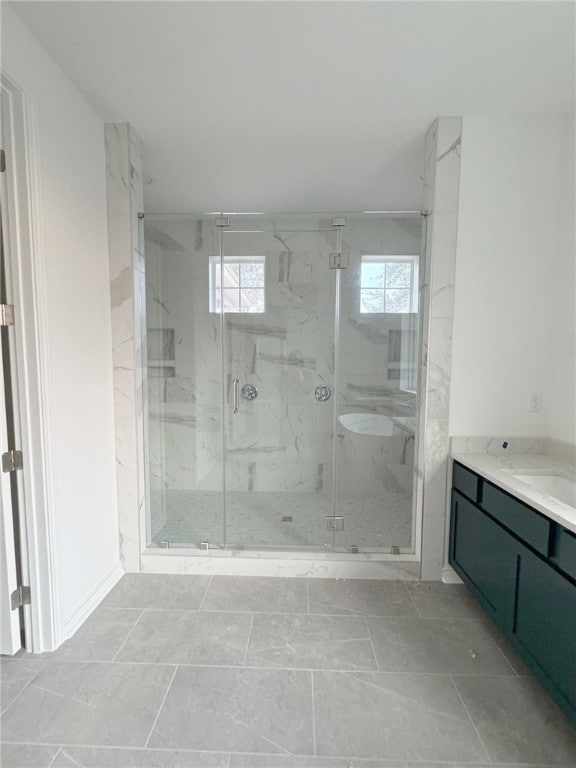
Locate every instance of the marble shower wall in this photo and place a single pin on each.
(282, 441)
(127, 288)
(441, 190)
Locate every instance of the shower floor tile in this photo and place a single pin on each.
(280, 519)
(249, 672)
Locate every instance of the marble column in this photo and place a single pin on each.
(441, 189)
(124, 190)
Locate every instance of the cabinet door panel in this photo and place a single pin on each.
(545, 621)
(483, 554)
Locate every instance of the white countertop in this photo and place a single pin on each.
(500, 470)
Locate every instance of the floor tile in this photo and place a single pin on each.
(256, 593)
(240, 710)
(290, 761)
(189, 637)
(360, 597)
(15, 676)
(435, 764)
(436, 600)
(100, 637)
(64, 760)
(436, 645)
(310, 642)
(111, 757)
(517, 720)
(26, 756)
(152, 590)
(375, 715)
(88, 703)
(512, 656)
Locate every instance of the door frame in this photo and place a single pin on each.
(31, 367)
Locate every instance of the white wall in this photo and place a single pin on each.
(514, 298)
(562, 404)
(73, 248)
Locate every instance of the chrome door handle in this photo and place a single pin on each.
(236, 395)
(249, 392)
(322, 394)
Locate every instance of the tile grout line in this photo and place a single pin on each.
(418, 614)
(372, 644)
(349, 612)
(28, 684)
(161, 706)
(343, 670)
(205, 593)
(484, 747)
(51, 763)
(386, 760)
(506, 659)
(313, 715)
(248, 643)
(113, 659)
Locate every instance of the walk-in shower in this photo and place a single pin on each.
(282, 395)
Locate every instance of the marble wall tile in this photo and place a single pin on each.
(498, 446)
(124, 203)
(441, 190)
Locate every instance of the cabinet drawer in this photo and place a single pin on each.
(565, 551)
(524, 521)
(466, 482)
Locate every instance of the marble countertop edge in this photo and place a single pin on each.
(500, 471)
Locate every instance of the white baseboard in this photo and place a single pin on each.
(449, 576)
(80, 613)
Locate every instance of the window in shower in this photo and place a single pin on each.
(237, 284)
(388, 284)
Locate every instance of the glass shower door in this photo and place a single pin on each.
(184, 392)
(376, 383)
(277, 295)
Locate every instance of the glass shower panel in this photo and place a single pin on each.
(376, 382)
(184, 405)
(277, 293)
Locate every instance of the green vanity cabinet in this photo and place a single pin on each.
(545, 621)
(520, 565)
(482, 554)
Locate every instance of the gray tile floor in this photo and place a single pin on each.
(226, 672)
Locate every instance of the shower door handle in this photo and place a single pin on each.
(236, 395)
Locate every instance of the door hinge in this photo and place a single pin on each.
(339, 260)
(2, 161)
(12, 461)
(6, 314)
(20, 596)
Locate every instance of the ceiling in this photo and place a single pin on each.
(298, 105)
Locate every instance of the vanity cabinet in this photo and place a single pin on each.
(521, 566)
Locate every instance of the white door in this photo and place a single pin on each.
(9, 619)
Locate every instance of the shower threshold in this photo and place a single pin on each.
(281, 563)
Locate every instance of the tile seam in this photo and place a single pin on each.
(113, 659)
(169, 686)
(484, 747)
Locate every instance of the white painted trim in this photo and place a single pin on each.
(282, 564)
(449, 576)
(92, 600)
(38, 496)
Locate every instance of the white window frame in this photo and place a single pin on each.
(214, 263)
(408, 352)
(382, 258)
